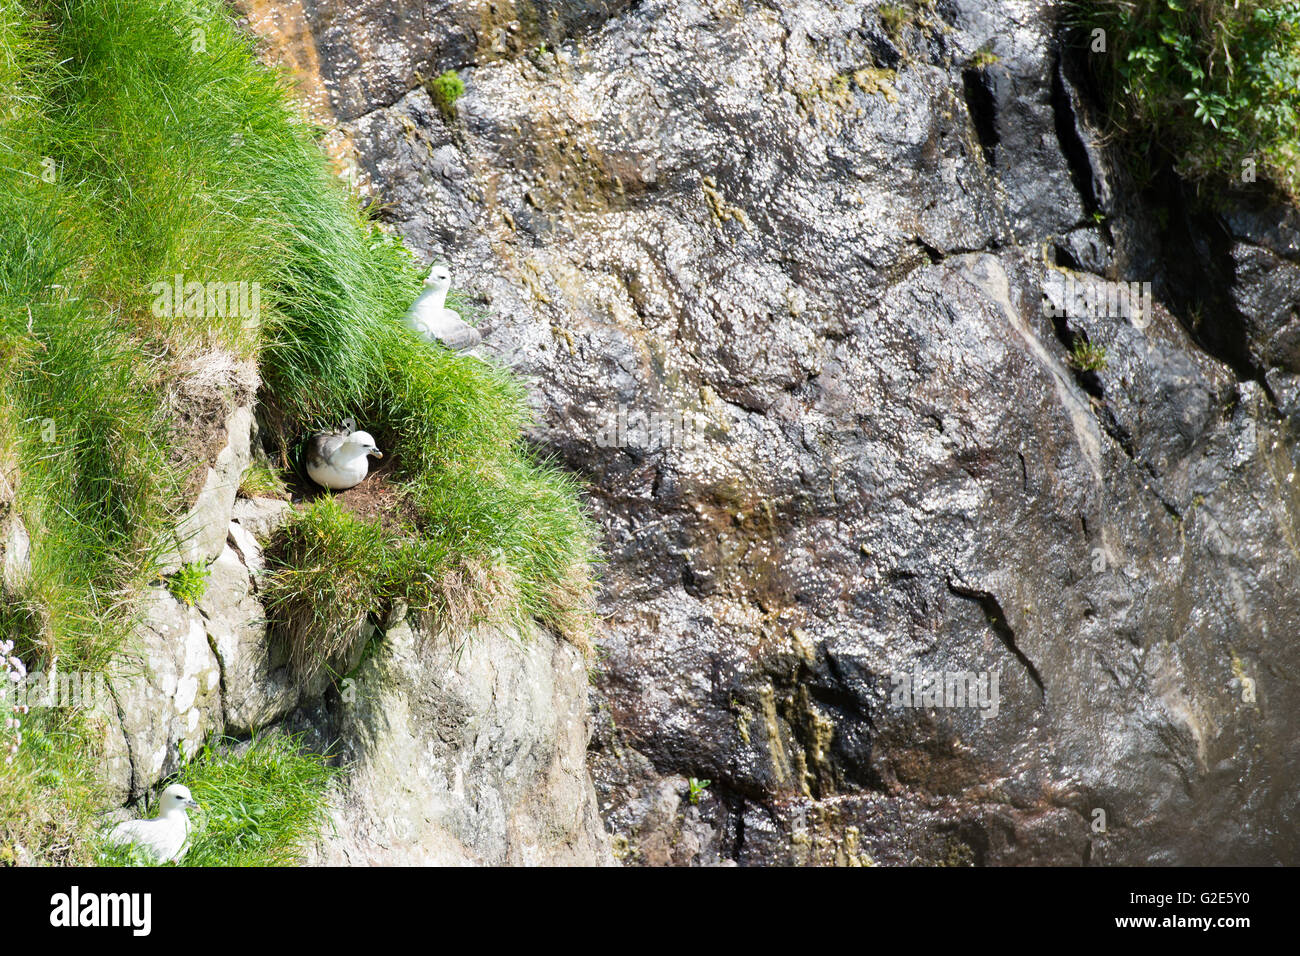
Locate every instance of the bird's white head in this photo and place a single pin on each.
(439, 279)
(363, 442)
(176, 797)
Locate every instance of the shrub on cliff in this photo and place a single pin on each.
(1212, 86)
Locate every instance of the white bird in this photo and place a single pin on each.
(430, 318)
(164, 836)
(338, 460)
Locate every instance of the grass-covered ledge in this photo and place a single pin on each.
(141, 140)
(262, 802)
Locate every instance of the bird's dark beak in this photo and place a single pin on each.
(193, 804)
(376, 453)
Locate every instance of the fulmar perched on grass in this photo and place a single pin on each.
(339, 460)
(164, 836)
(430, 318)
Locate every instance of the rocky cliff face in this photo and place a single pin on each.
(468, 751)
(797, 284)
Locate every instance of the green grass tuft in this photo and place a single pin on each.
(1087, 357)
(894, 19)
(260, 481)
(50, 795)
(329, 570)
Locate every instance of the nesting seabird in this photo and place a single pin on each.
(430, 318)
(164, 836)
(340, 459)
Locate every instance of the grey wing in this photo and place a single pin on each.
(461, 338)
(322, 446)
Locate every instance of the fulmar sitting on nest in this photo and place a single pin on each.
(339, 459)
(163, 837)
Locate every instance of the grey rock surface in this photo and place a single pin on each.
(167, 682)
(778, 273)
(257, 688)
(462, 752)
(258, 517)
(15, 543)
(201, 532)
(167, 688)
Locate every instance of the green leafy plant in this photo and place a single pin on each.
(190, 583)
(1205, 84)
(696, 788)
